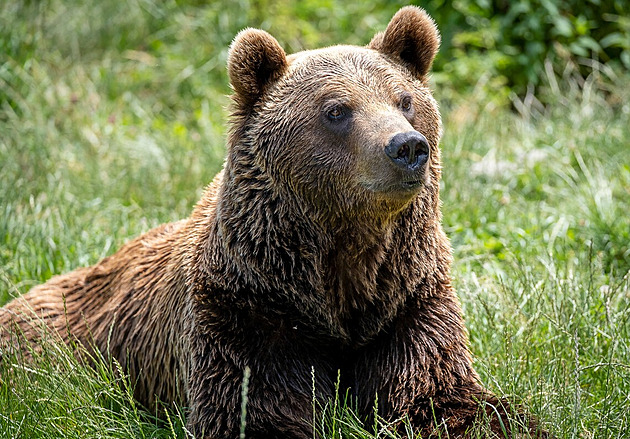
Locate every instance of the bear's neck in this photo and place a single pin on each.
(271, 252)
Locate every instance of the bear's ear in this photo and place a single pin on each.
(255, 60)
(411, 38)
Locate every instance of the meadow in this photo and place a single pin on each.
(113, 119)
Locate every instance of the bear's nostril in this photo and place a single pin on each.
(403, 152)
(412, 152)
(408, 150)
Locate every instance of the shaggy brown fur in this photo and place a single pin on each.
(312, 250)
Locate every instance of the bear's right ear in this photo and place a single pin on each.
(411, 38)
(255, 60)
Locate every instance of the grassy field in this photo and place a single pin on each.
(112, 120)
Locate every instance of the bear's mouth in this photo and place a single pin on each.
(411, 184)
(397, 186)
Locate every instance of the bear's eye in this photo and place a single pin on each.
(335, 113)
(405, 103)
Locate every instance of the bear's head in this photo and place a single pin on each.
(352, 132)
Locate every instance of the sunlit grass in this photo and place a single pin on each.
(54, 395)
(535, 204)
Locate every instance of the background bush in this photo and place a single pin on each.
(511, 40)
(505, 44)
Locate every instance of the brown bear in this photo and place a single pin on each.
(317, 251)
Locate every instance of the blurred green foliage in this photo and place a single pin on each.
(510, 41)
(499, 43)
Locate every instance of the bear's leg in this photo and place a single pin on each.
(279, 392)
(422, 369)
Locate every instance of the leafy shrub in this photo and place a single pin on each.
(512, 40)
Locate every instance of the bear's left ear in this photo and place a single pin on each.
(411, 38)
(255, 59)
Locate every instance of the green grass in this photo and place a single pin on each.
(53, 396)
(112, 121)
(536, 206)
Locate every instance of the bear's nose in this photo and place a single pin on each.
(408, 150)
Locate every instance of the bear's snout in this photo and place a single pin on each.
(408, 150)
